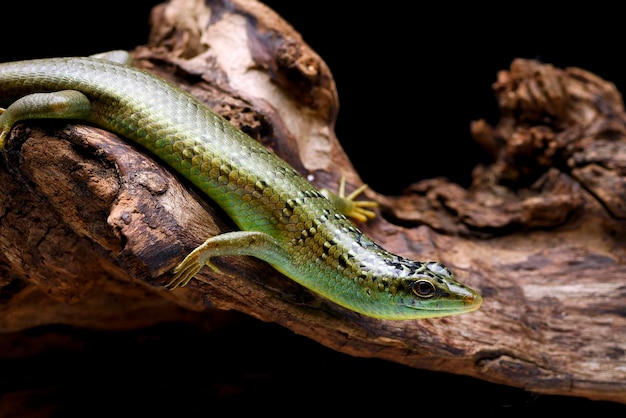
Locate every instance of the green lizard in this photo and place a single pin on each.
(282, 218)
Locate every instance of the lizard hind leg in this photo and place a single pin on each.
(65, 104)
(117, 55)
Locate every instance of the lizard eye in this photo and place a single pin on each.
(423, 289)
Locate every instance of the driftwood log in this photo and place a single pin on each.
(90, 225)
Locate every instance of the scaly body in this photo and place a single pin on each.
(284, 220)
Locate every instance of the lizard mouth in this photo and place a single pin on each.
(458, 302)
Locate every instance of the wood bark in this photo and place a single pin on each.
(90, 225)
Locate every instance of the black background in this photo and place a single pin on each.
(411, 77)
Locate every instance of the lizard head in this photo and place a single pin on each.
(406, 289)
(432, 290)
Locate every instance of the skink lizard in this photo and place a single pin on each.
(283, 219)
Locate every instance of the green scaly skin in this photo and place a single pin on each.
(283, 219)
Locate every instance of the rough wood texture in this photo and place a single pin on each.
(89, 226)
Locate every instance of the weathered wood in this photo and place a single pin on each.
(92, 224)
